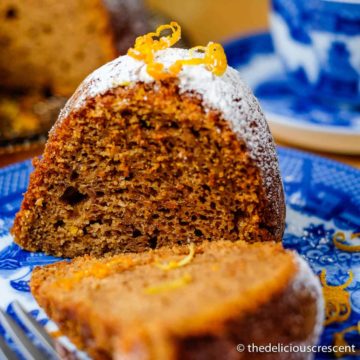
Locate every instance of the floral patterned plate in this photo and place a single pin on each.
(323, 197)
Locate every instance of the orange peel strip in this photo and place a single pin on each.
(339, 240)
(145, 47)
(337, 300)
(177, 264)
(147, 44)
(214, 59)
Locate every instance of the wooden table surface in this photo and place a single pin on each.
(203, 21)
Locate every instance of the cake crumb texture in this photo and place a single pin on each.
(143, 166)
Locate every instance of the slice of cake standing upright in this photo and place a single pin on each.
(162, 146)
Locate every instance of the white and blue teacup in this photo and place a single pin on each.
(319, 43)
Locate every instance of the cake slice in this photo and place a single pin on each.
(52, 45)
(153, 153)
(184, 302)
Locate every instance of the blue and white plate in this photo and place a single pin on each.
(323, 197)
(294, 118)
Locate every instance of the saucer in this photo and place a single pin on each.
(293, 117)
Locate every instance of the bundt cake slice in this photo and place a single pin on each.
(155, 148)
(192, 304)
(53, 45)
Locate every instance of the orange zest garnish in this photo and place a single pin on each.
(145, 47)
(177, 264)
(337, 300)
(170, 285)
(214, 59)
(339, 340)
(147, 44)
(339, 240)
(156, 70)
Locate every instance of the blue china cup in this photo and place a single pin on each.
(319, 43)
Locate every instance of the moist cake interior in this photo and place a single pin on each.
(141, 167)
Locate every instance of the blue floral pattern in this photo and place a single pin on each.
(323, 197)
(255, 58)
(338, 24)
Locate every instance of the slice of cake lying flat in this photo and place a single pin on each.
(181, 303)
(155, 148)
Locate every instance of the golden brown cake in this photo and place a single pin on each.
(53, 45)
(171, 304)
(136, 162)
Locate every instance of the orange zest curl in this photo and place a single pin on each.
(339, 240)
(337, 300)
(145, 47)
(156, 70)
(177, 264)
(214, 59)
(339, 340)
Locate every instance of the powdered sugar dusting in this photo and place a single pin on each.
(227, 94)
(305, 278)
